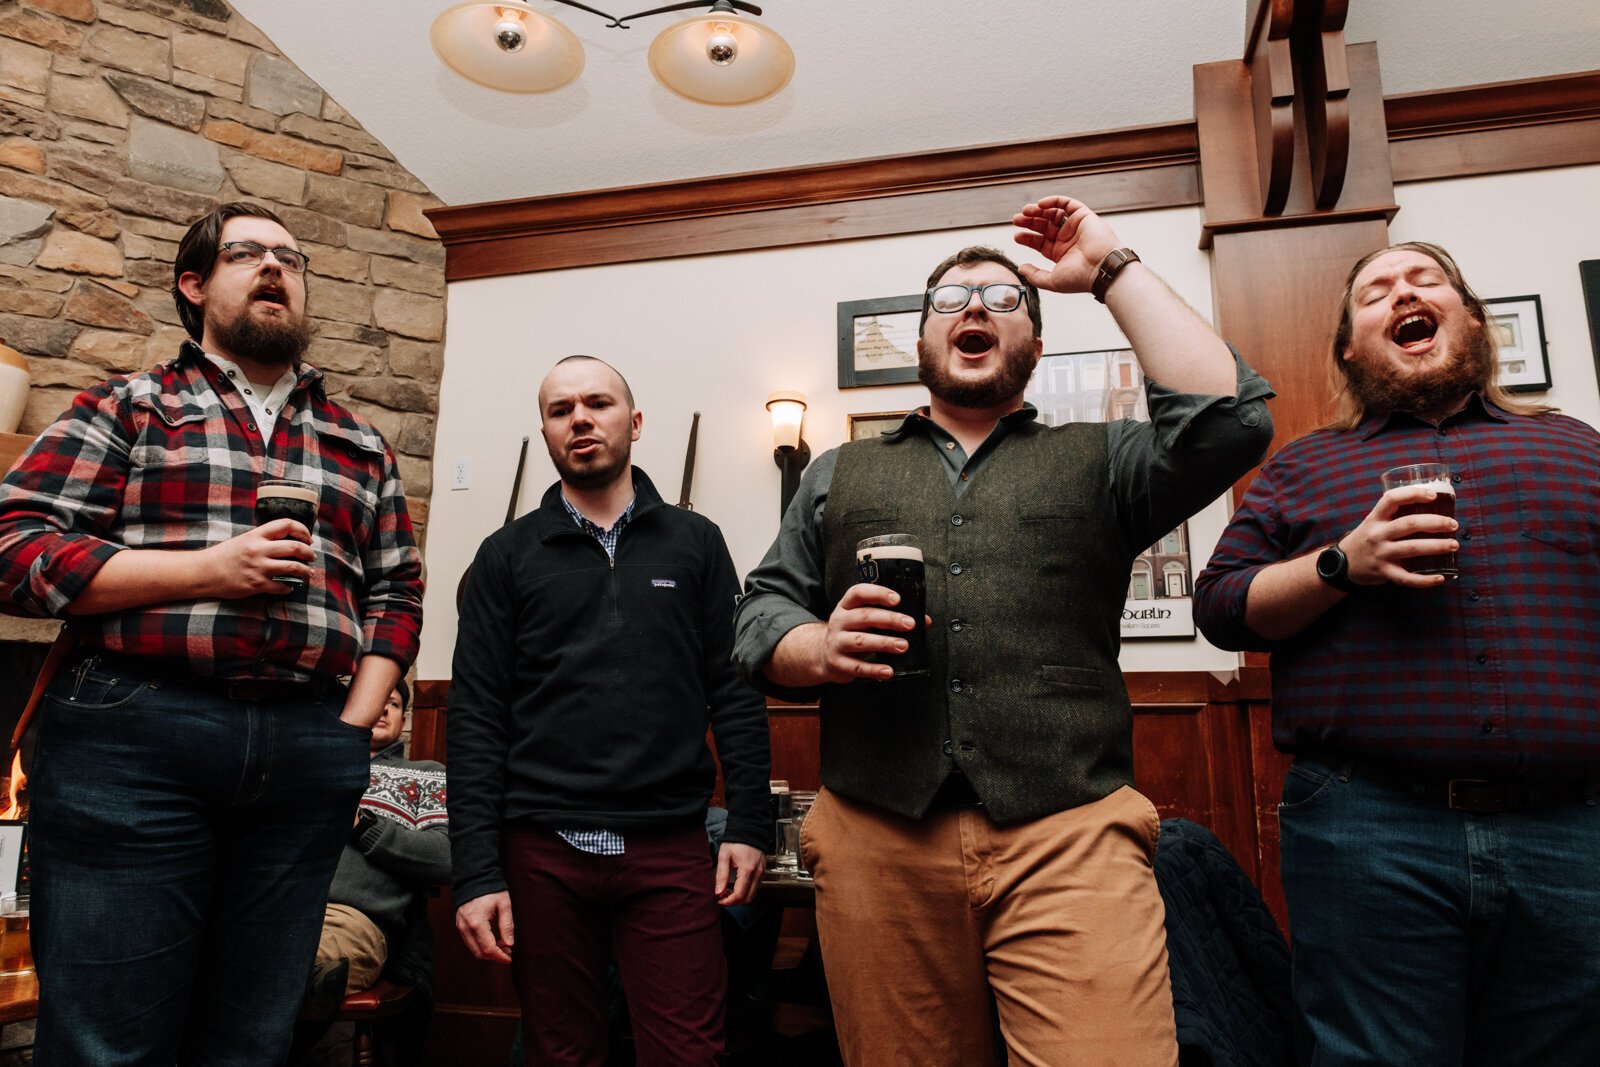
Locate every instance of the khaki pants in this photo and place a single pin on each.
(348, 933)
(1059, 919)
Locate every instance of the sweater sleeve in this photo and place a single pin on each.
(477, 726)
(738, 712)
(420, 857)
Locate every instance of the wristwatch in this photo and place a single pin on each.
(1333, 567)
(1109, 268)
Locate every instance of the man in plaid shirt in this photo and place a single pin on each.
(199, 761)
(1440, 831)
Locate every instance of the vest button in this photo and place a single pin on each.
(955, 568)
(956, 685)
(957, 625)
(949, 749)
(956, 520)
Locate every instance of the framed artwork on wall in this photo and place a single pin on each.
(872, 423)
(878, 341)
(1099, 387)
(1589, 274)
(1517, 323)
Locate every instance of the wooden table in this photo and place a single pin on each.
(19, 998)
(786, 890)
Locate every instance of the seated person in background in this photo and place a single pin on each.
(399, 848)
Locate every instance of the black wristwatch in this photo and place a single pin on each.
(1333, 567)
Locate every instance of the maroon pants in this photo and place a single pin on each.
(652, 910)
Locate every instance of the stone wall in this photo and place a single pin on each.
(122, 121)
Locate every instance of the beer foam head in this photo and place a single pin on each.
(287, 490)
(1441, 485)
(889, 552)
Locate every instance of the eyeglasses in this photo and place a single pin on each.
(997, 296)
(250, 254)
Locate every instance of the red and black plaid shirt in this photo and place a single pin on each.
(170, 459)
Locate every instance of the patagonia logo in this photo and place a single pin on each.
(663, 583)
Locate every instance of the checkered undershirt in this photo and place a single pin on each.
(597, 842)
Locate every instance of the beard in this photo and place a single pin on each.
(595, 473)
(278, 343)
(1434, 394)
(1003, 383)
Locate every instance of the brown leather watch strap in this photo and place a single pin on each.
(1109, 268)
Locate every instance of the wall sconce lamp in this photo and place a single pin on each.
(714, 58)
(789, 449)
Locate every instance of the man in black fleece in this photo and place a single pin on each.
(593, 648)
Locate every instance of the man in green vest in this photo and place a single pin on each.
(977, 839)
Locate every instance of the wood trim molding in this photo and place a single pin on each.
(1475, 129)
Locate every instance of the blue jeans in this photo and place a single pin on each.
(182, 848)
(1436, 937)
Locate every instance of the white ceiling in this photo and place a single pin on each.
(873, 77)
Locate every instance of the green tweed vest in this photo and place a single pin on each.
(1027, 574)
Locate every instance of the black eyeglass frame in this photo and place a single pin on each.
(983, 295)
(259, 252)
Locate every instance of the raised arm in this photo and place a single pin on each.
(1174, 345)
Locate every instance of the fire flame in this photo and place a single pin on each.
(13, 808)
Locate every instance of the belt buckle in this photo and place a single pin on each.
(1455, 802)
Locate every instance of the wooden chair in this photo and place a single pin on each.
(368, 1010)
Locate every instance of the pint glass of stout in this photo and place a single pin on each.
(1435, 476)
(280, 499)
(895, 561)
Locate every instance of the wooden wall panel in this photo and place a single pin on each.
(1538, 122)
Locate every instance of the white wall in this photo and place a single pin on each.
(717, 334)
(1520, 235)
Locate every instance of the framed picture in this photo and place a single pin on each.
(1517, 323)
(13, 834)
(1589, 274)
(872, 423)
(1099, 387)
(878, 341)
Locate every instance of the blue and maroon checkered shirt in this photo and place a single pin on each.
(1495, 674)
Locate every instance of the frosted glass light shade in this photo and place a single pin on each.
(764, 62)
(464, 39)
(788, 410)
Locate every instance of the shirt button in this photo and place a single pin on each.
(949, 748)
(1483, 657)
(956, 685)
(1466, 535)
(965, 476)
(950, 446)
(955, 568)
(956, 626)
(1487, 726)
(956, 520)
(248, 393)
(1472, 595)
(1456, 478)
(252, 425)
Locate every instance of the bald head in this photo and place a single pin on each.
(623, 390)
(589, 424)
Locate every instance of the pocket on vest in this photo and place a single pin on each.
(1084, 679)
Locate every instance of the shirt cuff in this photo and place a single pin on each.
(765, 618)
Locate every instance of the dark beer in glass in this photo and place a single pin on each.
(895, 561)
(282, 499)
(1435, 476)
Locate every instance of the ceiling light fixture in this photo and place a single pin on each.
(714, 58)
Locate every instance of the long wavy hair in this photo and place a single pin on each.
(1349, 409)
